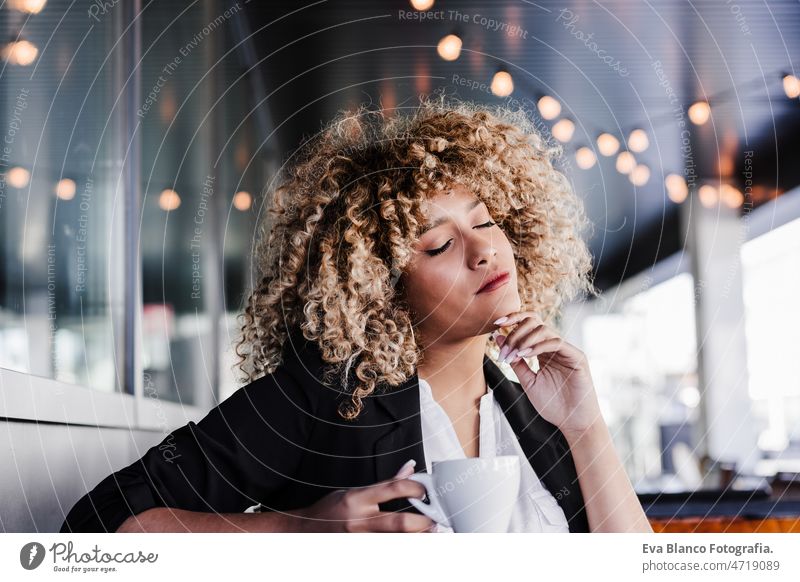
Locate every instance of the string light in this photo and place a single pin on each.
(242, 200)
(731, 196)
(18, 177)
(169, 200)
(449, 47)
(549, 107)
(677, 190)
(708, 195)
(563, 130)
(640, 175)
(29, 6)
(502, 84)
(607, 144)
(625, 162)
(638, 141)
(65, 189)
(791, 86)
(699, 112)
(21, 52)
(585, 158)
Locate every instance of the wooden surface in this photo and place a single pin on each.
(726, 525)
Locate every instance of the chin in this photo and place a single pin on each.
(504, 306)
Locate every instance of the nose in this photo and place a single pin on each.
(483, 253)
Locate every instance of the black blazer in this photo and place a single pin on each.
(279, 442)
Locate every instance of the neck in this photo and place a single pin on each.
(455, 370)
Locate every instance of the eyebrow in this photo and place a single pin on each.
(442, 219)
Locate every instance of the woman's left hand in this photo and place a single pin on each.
(562, 390)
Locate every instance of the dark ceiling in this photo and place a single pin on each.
(614, 66)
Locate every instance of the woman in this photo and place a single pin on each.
(402, 253)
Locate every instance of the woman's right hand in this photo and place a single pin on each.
(356, 510)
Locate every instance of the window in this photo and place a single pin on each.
(771, 278)
(60, 289)
(89, 185)
(201, 167)
(640, 342)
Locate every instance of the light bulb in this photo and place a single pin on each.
(65, 189)
(421, 4)
(791, 86)
(242, 200)
(638, 141)
(549, 107)
(169, 200)
(625, 162)
(18, 177)
(607, 144)
(20, 52)
(699, 112)
(640, 175)
(563, 130)
(502, 84)
(708, 195)
(449, 47)
(731, 196)
(585, 158)
(677, 190)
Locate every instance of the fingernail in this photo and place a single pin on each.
(524, 352)
(504, 352)
(510, 356)
(501, 320)
(408, 464)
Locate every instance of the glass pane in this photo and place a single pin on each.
(771, 277)
(643, 356)
(187, 185)
(59, 195)
(243, 156)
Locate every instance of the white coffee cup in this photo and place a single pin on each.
(471, 495)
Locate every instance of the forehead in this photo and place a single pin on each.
(448, 201)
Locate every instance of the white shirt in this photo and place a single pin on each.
(536, 509)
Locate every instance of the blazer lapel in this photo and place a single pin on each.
(403, 439)
(543, 444)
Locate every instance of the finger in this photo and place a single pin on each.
(524, 345)
(523, 328)
(401, 522)
(554, 344)
(406, 470)
(388, 490)
(525, 335)
(523, 321)
(523, 371)
(514, 318)
(509, 351)
(565, 354)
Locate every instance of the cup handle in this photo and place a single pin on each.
(434, 508)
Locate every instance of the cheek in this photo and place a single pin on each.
(432, 284)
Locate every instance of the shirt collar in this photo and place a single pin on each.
(426, 392)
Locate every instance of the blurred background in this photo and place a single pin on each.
(138, 139)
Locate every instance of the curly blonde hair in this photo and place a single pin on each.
(347, 210)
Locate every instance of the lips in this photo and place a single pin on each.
(495, 281)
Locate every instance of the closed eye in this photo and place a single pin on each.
(446, 245)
